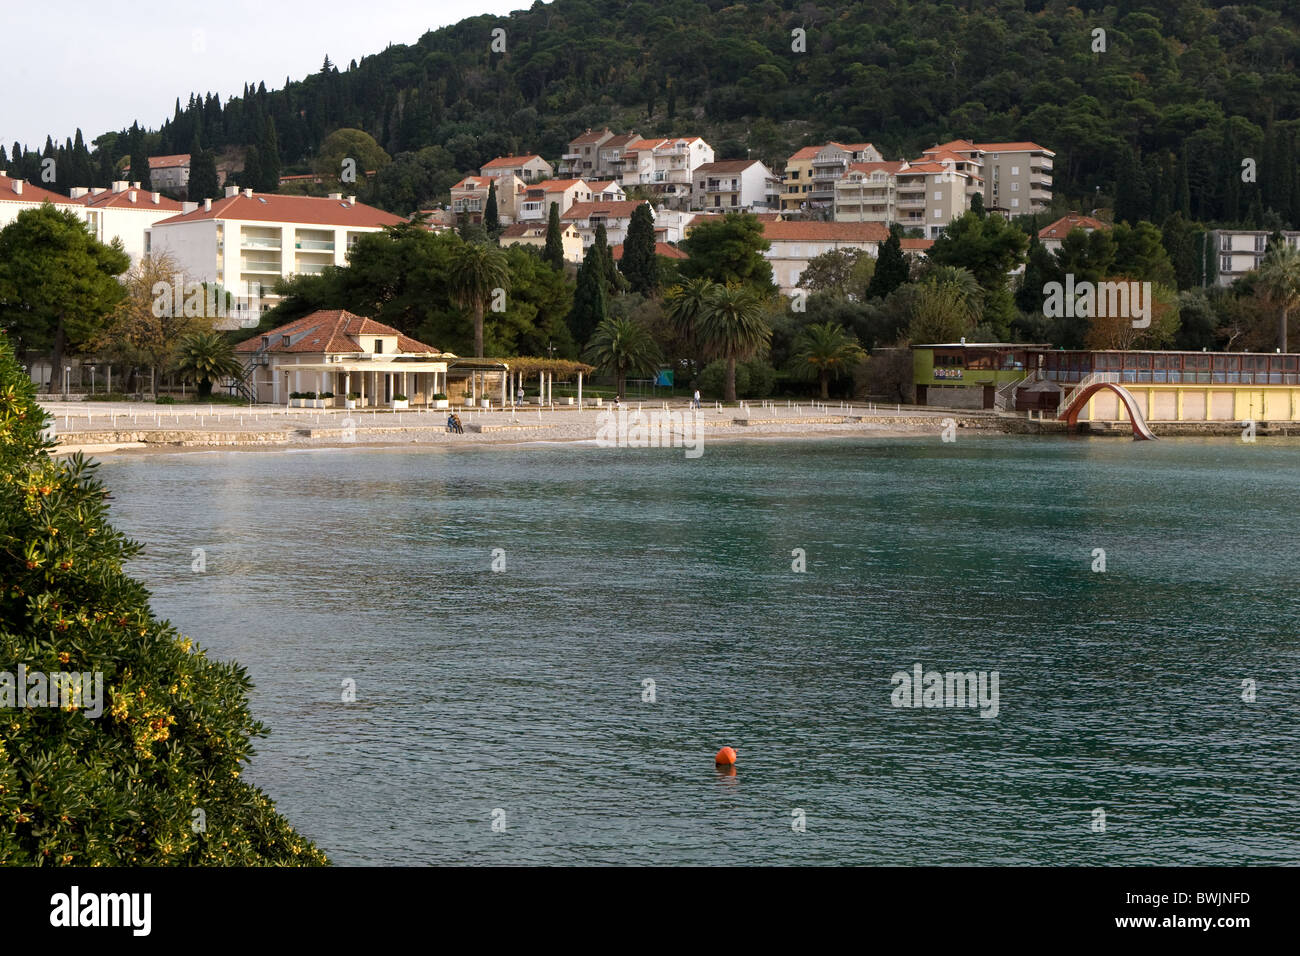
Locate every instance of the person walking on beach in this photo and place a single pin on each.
(695, 402)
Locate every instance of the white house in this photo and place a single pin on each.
(537, 199)
(735, 184)
(534, 234)
(247, 241)
(336, 351)
(17, 195)
(531, 168)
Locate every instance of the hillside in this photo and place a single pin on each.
(1159, 121)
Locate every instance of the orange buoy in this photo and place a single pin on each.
(725, 758)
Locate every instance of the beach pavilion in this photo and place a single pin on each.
(336, 351)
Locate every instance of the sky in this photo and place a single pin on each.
(100, 64)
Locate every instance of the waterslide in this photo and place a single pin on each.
(1076, 402)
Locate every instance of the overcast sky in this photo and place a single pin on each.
(99, 64)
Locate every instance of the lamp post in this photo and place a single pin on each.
(67, 378)
(92, 380)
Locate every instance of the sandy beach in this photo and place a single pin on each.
(99, 428)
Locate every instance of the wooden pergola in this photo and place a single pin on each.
(524, 367)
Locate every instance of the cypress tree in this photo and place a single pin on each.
(590, 303)
(554, 253)
(891, 268)
(269, 156)
(491, 218)
(640, 265)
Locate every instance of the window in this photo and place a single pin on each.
(379, 346)
(1015, 203)
(1260, 243)
(1225, 263)
(938, 214)
(938, 195)
(1225, 242)
(1015, 170)
(1015, 187)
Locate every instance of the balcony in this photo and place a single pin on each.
(571, 156)
(256, 242)
(910, 203)
(314, 245)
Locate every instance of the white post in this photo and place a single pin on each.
(504, 385)
(580, 391)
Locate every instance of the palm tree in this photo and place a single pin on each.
(623, 346)
(206, 357)
(1279, 283)
(730, 326)
(476, 271)
(826, 350)
(948, 305)
(683, 304)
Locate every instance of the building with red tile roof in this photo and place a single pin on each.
(792, 244)
(531, 168)
(246, 242)
(661, 249)
(169, 172)
(1052, 235)
(333, 350)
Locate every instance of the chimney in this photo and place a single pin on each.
(135, 185)
(232, 191)
(352, 200)
(338, 196)
(118, 185)
(76, 192)
(248, 194)
(18, 187)
(96, 190)
(207, 205)
(156, 197)
(188, 207)
(131, 195)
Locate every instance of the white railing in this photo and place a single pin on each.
(1088, 380)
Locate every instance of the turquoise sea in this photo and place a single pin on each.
(504, 716)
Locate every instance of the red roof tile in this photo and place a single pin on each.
(108, 199)
(661, 249)
(826, 231)
(510, 162)
(329, 330)
(162, 162)
(1013, 148)
(311, 210)
(614, 209)
(30, 193)
(1063, 226)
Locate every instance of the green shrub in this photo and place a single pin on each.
(164, 400)
(175, 731)
(399, 398)
(754, 379)
(439, 396)
(354, 395)
(326, 394)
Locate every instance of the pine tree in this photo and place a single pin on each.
(640, 265)
(139, 170)
(251, 175)
(554, 253)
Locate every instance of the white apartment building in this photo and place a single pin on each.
(671, 225)
(247, 241)
(537, 198)
(17, 195)
(469, 197)
(665, 167)
(735, 184)
(124, 212)
(1239, 251)
(581, 156)
(868, 192)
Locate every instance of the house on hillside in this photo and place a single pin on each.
(169, 172)
(531, 168)
(735, 184)
(794, 244)
(534, 234)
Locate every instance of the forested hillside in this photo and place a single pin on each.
(1159, 122)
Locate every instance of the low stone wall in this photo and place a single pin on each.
(186, 437)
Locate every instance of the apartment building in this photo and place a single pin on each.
(537, 199)
(1017, 177)
(935, 189)
(794, 244)
(469, 197)
(736, 184)
(665, 167)
(616, 217)
(1239, 251)
(582, 155)
(125, 212)
(169, 172)
(17, 195)
(1051, 236)
(247, 241)
(796, 179)
(531, 168)
(868, 192)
